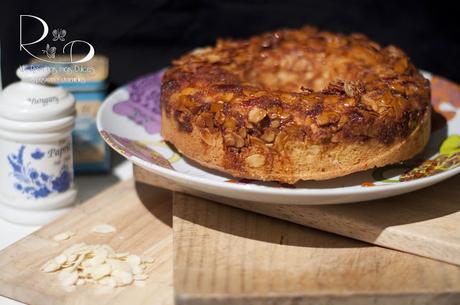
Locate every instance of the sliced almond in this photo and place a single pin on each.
(137, 270)
(123, 278)
(256, 160)
(133, 260)
(100, 257)
(61, 259)
(98, 272)
(100, 264)
(119, 265)
(255, 115)
(50, 266)
(121, 255)
(108, 281)
(63, 236)
(68, 278)
(71, 258)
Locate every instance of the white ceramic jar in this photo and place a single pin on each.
(36, 166)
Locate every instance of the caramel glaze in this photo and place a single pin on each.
(302, 85)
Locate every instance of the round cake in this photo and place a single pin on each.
(295, 105)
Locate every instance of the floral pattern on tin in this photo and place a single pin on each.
(129, 148)
(143, 104)
(35, 184)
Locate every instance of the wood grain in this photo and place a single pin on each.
(142, 216)
(225, 255)
(425, 222)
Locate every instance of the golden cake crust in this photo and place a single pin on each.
(295, 105)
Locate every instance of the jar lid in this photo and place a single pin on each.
(31, 99)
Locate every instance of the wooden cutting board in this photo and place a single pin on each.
(425, 222)
(142, 216)
(224, 255)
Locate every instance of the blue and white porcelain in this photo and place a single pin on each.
(36, 166)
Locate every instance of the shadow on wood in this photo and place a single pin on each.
(424, 222)
(235, 221)
(150, 196)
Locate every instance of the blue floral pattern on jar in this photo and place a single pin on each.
(33, 183)
(37, 154)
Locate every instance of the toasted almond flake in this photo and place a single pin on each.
(104, 228)
(255, 161)
(255, 115)
(63, 236)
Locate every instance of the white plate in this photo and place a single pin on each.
(129, 121)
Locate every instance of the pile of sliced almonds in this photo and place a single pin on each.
(100, 264)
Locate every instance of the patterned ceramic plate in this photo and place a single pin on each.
(129, 121)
